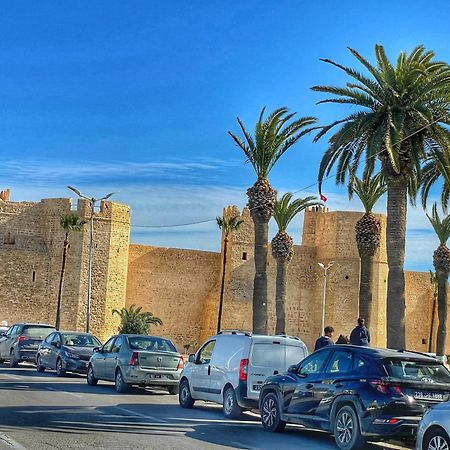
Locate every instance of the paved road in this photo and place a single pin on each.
(43, 412)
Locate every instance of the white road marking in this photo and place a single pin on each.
(145, 416)
(11, 442)
(63, 392)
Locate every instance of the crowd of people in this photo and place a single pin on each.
(359, 336)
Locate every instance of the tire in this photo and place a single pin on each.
(347, 432)
(120, 385)
(90, 378)
(173, 390)
(60, 372)
(437, 439)
(12, 360)
(184, 395)
(231, 409)
(271, 414)
(2, 361)
(39, 367)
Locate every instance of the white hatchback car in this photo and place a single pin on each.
(231, 367)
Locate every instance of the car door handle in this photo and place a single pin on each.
(309, 386)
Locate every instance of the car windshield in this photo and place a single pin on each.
(151, 344)
(80, 340)
(37, 331)
(417, 371)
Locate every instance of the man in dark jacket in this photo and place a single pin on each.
(360, 334)
(325, 340)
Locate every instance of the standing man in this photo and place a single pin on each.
(360, 334)
(325, 340)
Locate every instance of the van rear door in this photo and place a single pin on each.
(270, 358)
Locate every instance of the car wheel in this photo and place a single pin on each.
(39, 367)
(121, 386)
(173, 390)
(347, 433)
(184, 396)
(91, 380)
(231, 409)
(2, 361)
(12, 360)
(59, 368)
(271, 414)
(437, 440)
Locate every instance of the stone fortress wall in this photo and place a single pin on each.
(182, 286)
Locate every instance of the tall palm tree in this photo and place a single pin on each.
(272, 138)
(441, 262)
(228, 225)
(283, 249)
(434, 283)
(368, 234)
(135, 321)
(70, 224)
(403, 110)
(436, 168)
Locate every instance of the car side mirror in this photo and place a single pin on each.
(191, 358)
(2, 334)
(293, 369)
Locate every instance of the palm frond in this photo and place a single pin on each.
(286, 209)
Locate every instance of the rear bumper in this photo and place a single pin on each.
(151, 377)
(242, 399)
(26, 355)
(382, 427)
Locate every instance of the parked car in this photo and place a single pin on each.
(4, 327)
(21, 341)
(355, 393)
(136, 360)
(231, 367)
(434, 429)
(66, 351)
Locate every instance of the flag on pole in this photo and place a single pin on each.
(323, 198)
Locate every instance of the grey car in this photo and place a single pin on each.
(434, 429)
(136, 360)
(66, 351)
(21, 341)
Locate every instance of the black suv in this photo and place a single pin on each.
(21, 341)
(356, 393)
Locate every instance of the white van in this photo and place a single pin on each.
(231, 367)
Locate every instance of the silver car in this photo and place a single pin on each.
(434, 429)
(136, 360)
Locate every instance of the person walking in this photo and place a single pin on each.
(360, 334)
(325, 340)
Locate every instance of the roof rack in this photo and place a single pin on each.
(403, 350)
(244, 332)
(287, 336)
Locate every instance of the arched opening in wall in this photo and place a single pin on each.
(244, 256)
(34, 276)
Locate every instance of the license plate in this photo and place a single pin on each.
(157, 376)
(434, 396)
(31, 347)
(257, 387)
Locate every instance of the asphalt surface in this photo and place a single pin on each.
(42, 411)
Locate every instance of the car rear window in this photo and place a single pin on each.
(37, 331)
(276, 355)
(151, 344)
(417, 370)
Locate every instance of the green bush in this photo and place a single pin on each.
(134, 321)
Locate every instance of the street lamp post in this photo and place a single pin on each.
(325, 273)
(92, 201)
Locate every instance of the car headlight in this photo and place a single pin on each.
(71, 355)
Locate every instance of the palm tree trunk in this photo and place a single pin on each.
(442, 313)
(61, 283)
(366, 287)
(433, 314)
(280, 296)
(395, 244)
(260, 281)
(222, 286)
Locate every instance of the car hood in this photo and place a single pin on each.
(82, 351)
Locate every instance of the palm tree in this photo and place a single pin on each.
(368, 233)
(134, 321)
(70, 223)
(283, 249)
(436, 168)
(272, 138)
(403, 111)
(434, 284)
(441, 262)
(228, 225)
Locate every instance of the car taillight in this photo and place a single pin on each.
(134, 360)
(22, 338)
(180, 363)
(243, 368)
(380, 386)
(396, 389)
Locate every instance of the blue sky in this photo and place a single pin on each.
(137, 97)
